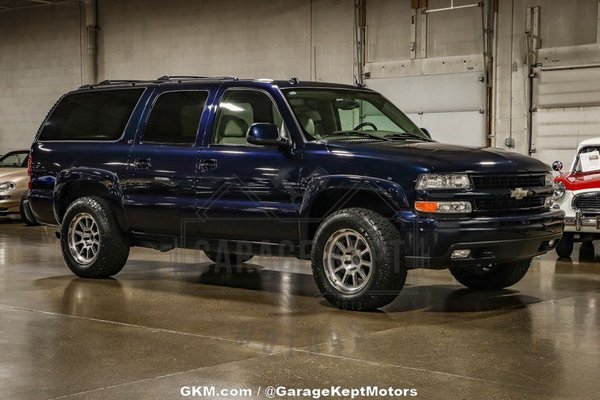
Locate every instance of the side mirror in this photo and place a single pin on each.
(557, 166)
(426, 132)
(265, 134)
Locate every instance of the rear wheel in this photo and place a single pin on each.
(228, 258)
(92, 242)
(357, 260)
(491, 278)
(565, 246)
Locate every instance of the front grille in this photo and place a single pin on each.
(504, 204)
(587, 202)
(508, 181)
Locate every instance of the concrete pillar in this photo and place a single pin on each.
(90, 36)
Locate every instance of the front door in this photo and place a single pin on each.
(245, 191)
(160, 192)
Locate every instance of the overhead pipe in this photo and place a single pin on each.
(453, 7)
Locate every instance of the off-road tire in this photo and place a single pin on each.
(389, 269)
(497, 277)
(114, 243)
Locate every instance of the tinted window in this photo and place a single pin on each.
(97, 115)
(238, 110)
(14, 160)
(175, 117)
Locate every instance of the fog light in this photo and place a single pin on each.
(461, 254)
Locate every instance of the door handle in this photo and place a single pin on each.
(142, 163)
(207, 165)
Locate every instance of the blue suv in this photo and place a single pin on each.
(327, 172)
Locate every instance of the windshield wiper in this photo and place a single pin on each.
(408, 136)
(332, 135)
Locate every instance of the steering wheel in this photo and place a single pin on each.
(372, 125)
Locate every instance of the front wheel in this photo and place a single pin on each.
(495, 277)
(357, 260)
(91, 240)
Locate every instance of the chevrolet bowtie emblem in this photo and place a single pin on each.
(519, 193)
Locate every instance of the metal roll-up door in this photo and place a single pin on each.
(450, 106)
(566, 111)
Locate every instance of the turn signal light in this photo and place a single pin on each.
(444, 207)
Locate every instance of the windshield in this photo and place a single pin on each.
(588, 160)
(17, 159)
(328, 114)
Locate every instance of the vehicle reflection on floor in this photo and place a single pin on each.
(176, 318)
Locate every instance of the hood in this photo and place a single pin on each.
(7, 174)
(580, 180)
(438, 157)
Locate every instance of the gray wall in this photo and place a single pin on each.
(41, 48)
(39, 60)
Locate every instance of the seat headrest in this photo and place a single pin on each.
(233, 126)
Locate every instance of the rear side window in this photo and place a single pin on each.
(175, 117)
(96, 115)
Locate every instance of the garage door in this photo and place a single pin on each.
(568, 111)
(450, 106)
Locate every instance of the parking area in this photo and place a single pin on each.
(175, 319)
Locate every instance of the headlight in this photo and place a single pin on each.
(6, 186)
(549, 179)
(444, 182)
(559, 190)
(444, 207)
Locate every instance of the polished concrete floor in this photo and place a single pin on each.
(174, 319)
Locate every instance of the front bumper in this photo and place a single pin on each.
(580, 223)
(9, 205)
(430, 242)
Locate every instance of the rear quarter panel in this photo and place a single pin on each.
(50, 158)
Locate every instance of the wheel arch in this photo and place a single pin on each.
(327, 194)
(81, 182)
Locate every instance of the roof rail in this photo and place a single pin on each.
(115, 82)
(180, 78)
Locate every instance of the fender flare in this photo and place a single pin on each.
(107, 179)
(390, 192)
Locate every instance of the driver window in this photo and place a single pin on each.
(238, 110)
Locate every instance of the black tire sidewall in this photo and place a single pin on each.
(114, 248)
(381, 288)
(564, 248)
(501, 277)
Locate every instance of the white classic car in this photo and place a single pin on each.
(577, 193)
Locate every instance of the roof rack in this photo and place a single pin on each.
(162, 79)
(180, 78)
(115, 82)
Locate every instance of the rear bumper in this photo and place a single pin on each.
(430, 242)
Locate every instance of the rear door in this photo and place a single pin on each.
(160, 192)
